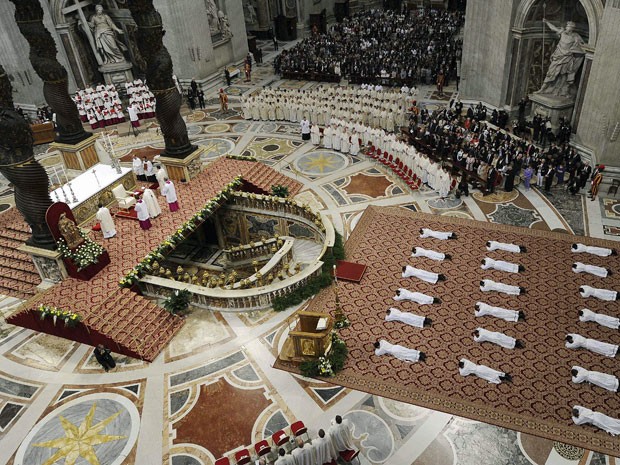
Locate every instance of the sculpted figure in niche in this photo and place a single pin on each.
(104, 32)
(565, 61)
(214, 21)
(69, 231)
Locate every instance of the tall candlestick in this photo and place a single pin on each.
(75, 200)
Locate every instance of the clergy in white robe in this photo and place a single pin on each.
(405, 354)
(284, 458)
(171, 195)
(417, 297)
(143, 214)
(341, 433)
(585, 416)
(393, 314)
(586, 314)
(420, 252)
(599, 271)
(324, 451)
(576, 341)
(489, 263)
(494, 245)
(580, 375)
(151, 203)
(442, 236)
(303, 453)
(355, 144)
(138, 169)
(161, 175)
(336, 138)
(428, 276)
(602, 294)
(483, 309)
(149, 170)
(467, 368)
(483, 335)
(345, 141)
(488, 285)
(600, 251)
(315, 135)
(328, 134)
(108, 228)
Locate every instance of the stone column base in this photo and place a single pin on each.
(183, 169)
(49, 264)
(553, 107)
(117, 74)
(80, 156)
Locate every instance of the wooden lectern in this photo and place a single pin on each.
(311, 336)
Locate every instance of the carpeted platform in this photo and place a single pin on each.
(540, 399)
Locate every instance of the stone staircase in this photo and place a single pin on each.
(263, 177)
(305, 252)
(18, 275)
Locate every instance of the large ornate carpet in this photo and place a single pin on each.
(540, 398)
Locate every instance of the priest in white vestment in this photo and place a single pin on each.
(143, 214)
(284, 458)
(428, 276)
(580, 375)
(489, 263)
(602, 294)
(324, 451)
(501, 339)
(599, 251)
(328, 134)
(138, 169)
(171, 195)
(576, 341)
(420, 252)
(494, 245)
(315, 135)
(608, 321)
(467, 368)
(417, 297)
(403, 353)
(483, 309)
(488, 285)
(161, 175)
(599, 271)
(151, 203)
(303, 453)
(585, 416)
(442, 236)
(393, 314)
(108, 228)
(341, 433)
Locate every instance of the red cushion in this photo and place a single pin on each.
(298, 428)
(242, 457)
(348, 455)
(279, 438)
(222, 461)
(262, 448)
(96, 227)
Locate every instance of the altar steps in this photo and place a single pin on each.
(264, 177)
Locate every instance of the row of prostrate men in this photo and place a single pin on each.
(580, 415)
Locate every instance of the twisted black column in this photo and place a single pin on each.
(19, 167)
(159, 77)
(29, 18)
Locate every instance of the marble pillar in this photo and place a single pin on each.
(262, 12)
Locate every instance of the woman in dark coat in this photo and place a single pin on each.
(510, 178)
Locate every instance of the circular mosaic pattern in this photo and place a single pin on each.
(464, 215)
(215, 128)
(195, 116)
(268, 127)
(616, 208)
(215, 147)
(444, 204)
(193, 129)
(567, 451)
(321, 162)
(241, 127)
(496, 197)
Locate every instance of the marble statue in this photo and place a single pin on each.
(224, 24)
(250, 12)
(565, 61)
(212, 15)
(104, 31)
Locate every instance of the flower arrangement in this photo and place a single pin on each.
(182, 232)
(241, 157)
(329, 365)
(70, 318)
(342, 322)
(325, 367)
(84, 255)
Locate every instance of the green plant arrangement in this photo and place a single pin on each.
(182, 232)
(178, 301)
(70, 318)
(329, 365)
(84, 255)
(241, 157)
(279, 190)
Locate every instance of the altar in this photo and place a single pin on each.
(84, 193)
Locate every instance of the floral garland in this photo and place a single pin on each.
(70, 318)
(84, 255)
(187, 228)
(327, 366)
(241, 157)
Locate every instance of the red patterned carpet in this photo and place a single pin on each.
(128, 323)
(540, 399)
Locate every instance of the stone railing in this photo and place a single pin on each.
(231, 300)
(252, 250)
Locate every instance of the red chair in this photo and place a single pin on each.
(298, 428)
(222, 461)
(262, 448)
(349, 455)
(281, 439)
(242, 457)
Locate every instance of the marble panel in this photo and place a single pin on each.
(206, 370)
(201, 330)
(277, 422)
(17, 389)
(44, 352)
(8, 413)
(247, 373)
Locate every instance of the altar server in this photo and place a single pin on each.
(488, 285)
(417, 297)
(393, 314)
(138, 169)
(489, 263)
(576, 341)
(600, 251)
(171, 195)
(586, 314)
(107, 223)
(602, 294)
(442, 236)
(494, 245)
(467, 368)
(143, 214)
(324, 451)
(341, 432)
(580, 375)
(134, 118)
(483, 335)
(161, 175)
(599, 271)
(151, 203)
(405, 354)
(585, 416)
(149, 170)
(483, 309)
(428, 276)
(420, 252)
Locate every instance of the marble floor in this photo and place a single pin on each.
(213, 390)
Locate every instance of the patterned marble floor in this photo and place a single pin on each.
(213, 390)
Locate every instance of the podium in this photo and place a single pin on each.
(309, 338)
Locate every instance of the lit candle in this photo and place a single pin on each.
(335, 277)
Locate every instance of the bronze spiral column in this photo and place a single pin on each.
(29, 18)
(159, 75)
